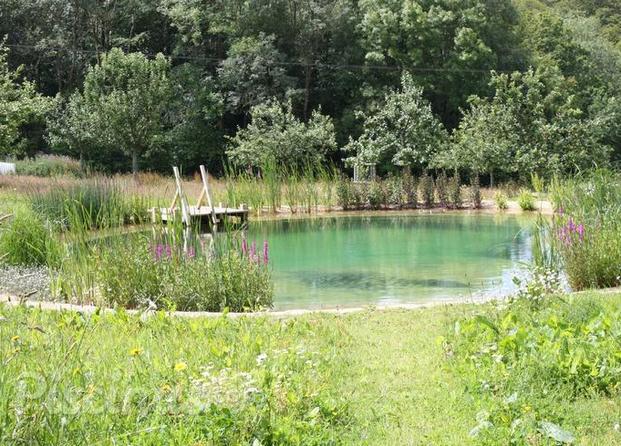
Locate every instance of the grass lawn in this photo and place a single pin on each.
(376, 377)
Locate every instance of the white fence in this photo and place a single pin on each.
(7, 168)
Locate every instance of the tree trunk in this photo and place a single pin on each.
(491, 179)
(135, 162)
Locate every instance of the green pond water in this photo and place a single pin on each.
(332, 262)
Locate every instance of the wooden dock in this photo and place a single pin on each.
(204, 215)
(207, 218)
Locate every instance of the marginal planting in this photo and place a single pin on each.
(97, 203)
(586, 229)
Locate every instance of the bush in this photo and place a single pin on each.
(132, 274)
(475, 192)
(454, 192)
(526, 200)
(25, 240)
(344, 193)
(410, 188)
(376, 195)
(396, 193)
(442, 190)
(48, 166)
(427, 190)
(502, 202)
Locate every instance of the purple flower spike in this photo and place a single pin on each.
(580, 231)
(265, 253)
(191, 252)
(253, 249)
(158, 251)
(168, 251)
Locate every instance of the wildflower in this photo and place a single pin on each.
(158, 251)
(135, 351)
(15, 338)
(168, 251)
(180, 366)
(165, 388)
(253, 251)
(265, 252)
(191, 252)
(580, 231)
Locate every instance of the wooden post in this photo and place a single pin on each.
(205, 192)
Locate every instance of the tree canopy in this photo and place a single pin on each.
(475, 71)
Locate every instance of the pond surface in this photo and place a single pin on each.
(343, 261)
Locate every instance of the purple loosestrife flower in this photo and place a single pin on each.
(168, 251)
(158, 251)
(580, 231)
(191, 252)
(265, 252)
(253, 250)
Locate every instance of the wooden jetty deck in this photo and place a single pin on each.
(206, 217)
(204, 214)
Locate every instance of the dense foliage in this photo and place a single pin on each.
(519, 86)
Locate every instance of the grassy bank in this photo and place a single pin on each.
(389, 377)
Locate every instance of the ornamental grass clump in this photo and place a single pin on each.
(91, 204)
(26, 240)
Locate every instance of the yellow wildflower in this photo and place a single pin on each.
(180, 366)
(135, 351)
(166, 388)
(15, 338)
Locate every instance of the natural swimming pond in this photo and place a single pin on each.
(355, 260)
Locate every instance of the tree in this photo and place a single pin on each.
(404, 130)
(448, 45)
(20, 105)
(253, 72)
(531, 124)
(276, 135)
(125, 100)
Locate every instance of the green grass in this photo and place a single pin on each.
(376, 377)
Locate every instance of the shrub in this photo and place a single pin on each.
(343, 193)
(475, 192)
(502, 202)
(526, 200)
(410, 189)
(442, 190)
(376, 195)
(359, 194)
(426, 190)
(454, 192)
(25, 240)
(396, 193)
